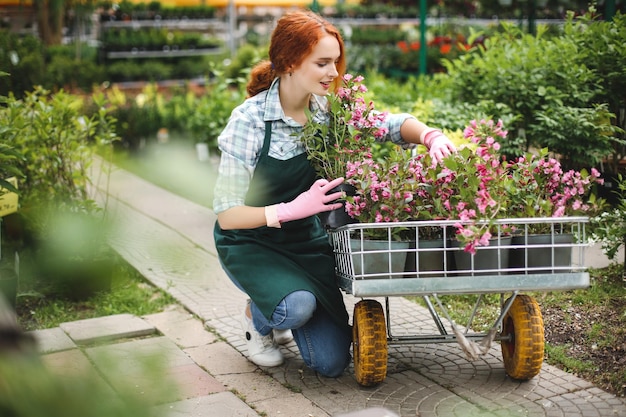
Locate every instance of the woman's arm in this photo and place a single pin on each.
(242, 217)
(313, 201)
(411, 131)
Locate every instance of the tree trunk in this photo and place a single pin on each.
(50, 20)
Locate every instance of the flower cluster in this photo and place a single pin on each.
(345, 131)
(475, 184)
(544, 189)
(399, 188)
(484, 187)
(408, 56)
(385, 190)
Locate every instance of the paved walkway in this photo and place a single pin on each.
(169, 240)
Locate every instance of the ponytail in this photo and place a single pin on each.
(261, 78)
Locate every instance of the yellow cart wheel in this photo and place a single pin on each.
(523, 352)
(369, 343)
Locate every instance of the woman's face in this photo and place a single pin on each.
(318, 70)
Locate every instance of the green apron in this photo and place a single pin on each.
(270, 263)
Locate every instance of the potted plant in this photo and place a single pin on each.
(383, 192)
(340, 134)
(473, 185)
(343, 132)
(473, 193)
(401, 188)
(427, 249)
(544, 190)
(211, 112)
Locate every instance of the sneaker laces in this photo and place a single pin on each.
(267, 341)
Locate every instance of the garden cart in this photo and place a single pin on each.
(425, 259)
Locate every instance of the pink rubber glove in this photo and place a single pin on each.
(439, 146)
(310, 202)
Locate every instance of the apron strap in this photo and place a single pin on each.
(268, 138)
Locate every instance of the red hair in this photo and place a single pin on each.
(293, 39)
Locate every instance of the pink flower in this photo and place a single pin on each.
(484, 239)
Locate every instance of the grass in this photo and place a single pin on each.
(130, 293)
(559, 354)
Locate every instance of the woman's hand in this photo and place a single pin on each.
(311, 202)
(439, 146)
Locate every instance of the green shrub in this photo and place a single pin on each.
(124, 70)
(156, 71)
(609, 228)
(188, 68)
(582, 136)
(70, 74)
(57, 142)
(22, 58)
(247, 56)
(9, 159)
(138, 121)
(177, 110)
(540, 79)
(601, 49)
(367, 35)
(212, 111)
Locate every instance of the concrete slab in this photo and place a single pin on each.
(73, 366)
(223, 404)
(154, 368)
(220, 358)
(67, 362)
(52, 340)
(120, 326)
(254, 385)
(181, 327)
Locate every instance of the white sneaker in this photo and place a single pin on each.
(262, 350)
(282, 337)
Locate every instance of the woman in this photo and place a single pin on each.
(268, 237)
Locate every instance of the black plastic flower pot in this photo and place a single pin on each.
(338, 217)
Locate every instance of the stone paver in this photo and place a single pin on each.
(154, 367)
(85, 332)
(52, 340)
(169, 241)
(73, 368)
(181, 327)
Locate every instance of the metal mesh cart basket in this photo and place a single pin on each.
(425, 259)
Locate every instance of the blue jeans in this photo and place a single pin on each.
(324, 345)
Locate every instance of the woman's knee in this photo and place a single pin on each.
(300, 307)
(328, 355)
(332, 365)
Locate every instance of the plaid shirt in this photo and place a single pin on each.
(242, 139)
